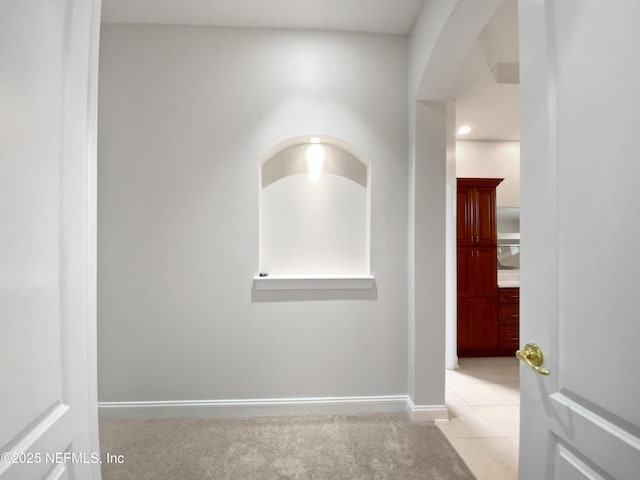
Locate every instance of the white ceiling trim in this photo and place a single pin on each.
(373, 16)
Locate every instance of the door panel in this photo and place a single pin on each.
(47, 363)
(485, 324)
(486, 214)
(465, 272)
(509, 338)
(579, 230)
(601, 443)
(485, 272)
(569, 466)
(509, 315)
(464, 216)
(465, 324)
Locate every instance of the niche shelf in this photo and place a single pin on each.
(315, 282)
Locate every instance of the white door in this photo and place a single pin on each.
(580, 106)
(48, 65)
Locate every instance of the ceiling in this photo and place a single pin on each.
(487, 88)
(375, 16)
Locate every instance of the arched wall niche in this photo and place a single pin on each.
(314, 194)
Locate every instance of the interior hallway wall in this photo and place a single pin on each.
(184, 115)
(440, 39)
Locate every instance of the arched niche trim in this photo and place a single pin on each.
(292, 161)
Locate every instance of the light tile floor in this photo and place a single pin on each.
(483, 397)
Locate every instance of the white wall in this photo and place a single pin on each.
(185, 115)
(426, 29)
(451, 303)
(428, 254)
(490, 159)
(440, 39)
(424, 343)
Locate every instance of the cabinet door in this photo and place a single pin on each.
(509, 296)
(466, 324)
(465, 260)
(485, 324)
(485, 272)
(509, 339)
(465, 211)
(485, 216)
(508, 315)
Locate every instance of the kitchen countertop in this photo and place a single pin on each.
(508, 278)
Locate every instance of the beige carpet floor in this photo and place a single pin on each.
(382, 446)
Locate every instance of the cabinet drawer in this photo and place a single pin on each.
(509, 338)
(509, 295)
(509, 315)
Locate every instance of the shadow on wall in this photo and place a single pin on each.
(267, 296)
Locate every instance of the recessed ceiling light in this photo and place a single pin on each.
(463, 130)
(315, 140)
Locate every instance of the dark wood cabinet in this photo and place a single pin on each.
(466, 325)
(486, 230)
(486, 327)
(465, 215)
(508, 315)
(477, 300)
(465, 275)
(477, 272)
(478, 332)
(509, 340)
(486, 272)
(477, 326)
(476, 212)
(509, 320)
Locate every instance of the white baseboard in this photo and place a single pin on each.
(254, 407)
(272, 407)
(427, 413)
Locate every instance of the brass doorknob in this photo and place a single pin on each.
(532, 356)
